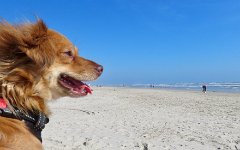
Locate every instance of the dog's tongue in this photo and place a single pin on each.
(86, 88)
(83, 89)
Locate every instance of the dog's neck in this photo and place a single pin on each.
(39, 105)
(29, 97)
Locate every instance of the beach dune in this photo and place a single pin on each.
(144, 119)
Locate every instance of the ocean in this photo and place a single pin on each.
(232, 87)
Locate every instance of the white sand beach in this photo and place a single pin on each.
(144, 119)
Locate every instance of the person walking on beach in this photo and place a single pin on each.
(204, 88)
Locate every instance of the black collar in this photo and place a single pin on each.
(34, 121)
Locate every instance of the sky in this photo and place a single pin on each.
(145, 41)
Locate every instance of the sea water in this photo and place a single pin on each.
(233, 87)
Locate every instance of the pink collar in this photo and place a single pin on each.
(3, 103)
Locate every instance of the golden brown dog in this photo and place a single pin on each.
(36, 65)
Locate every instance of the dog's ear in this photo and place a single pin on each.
(35, 34)
(26, 40)
(36, 44)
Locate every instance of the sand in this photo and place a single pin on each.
(144, 119)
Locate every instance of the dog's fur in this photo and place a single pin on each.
(32, 58)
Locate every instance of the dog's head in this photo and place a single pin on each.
(68, 72)
(40, 62)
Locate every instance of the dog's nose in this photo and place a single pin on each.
(99, 69)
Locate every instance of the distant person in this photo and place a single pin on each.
(151, 85)
(204, 88)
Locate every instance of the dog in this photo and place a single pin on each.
(37, 64)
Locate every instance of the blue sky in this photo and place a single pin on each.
(146, 41)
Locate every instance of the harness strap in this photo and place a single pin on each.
(35, 123)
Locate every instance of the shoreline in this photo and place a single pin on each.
(225, 87)
(171, 89)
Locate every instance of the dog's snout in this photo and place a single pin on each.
(99, 69)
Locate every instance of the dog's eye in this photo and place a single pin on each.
(68, 53)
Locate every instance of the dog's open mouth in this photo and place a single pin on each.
(74, 86)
